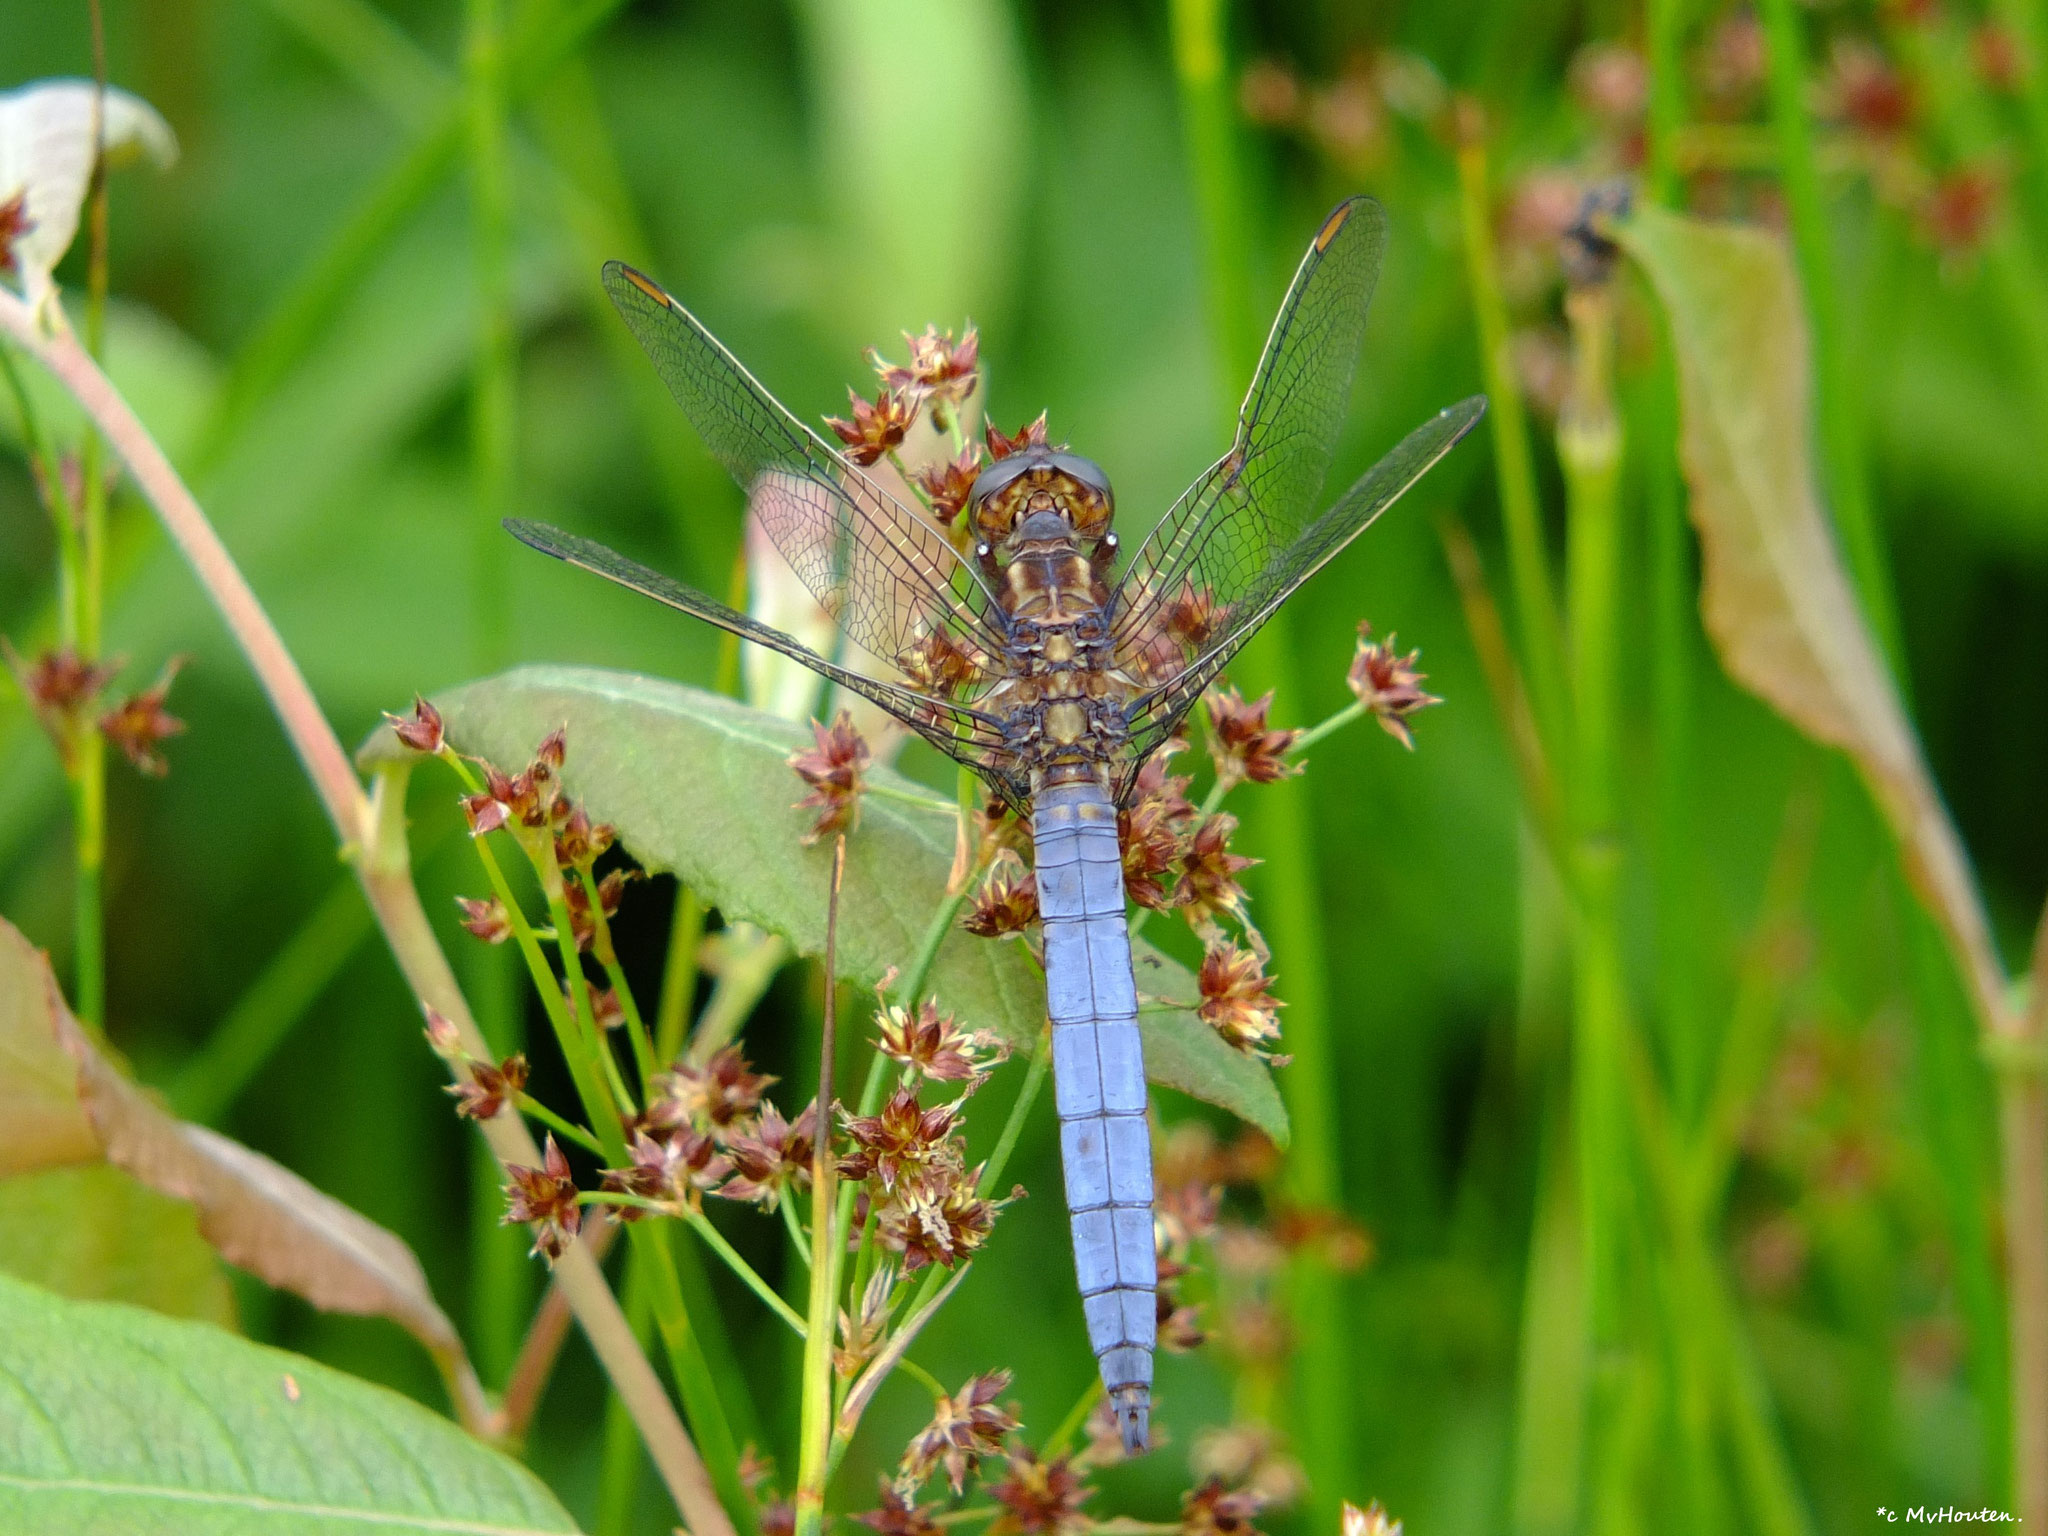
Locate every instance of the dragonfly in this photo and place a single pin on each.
(1042, 660)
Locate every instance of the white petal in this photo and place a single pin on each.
(46, 154)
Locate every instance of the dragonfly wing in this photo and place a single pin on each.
(1218, 541)
(961, 732)
(885, 574)
(1153, 716)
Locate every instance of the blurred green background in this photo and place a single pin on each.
(297, 316)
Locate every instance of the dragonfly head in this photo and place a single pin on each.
(1041, 493)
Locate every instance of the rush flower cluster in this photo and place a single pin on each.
(67, 692)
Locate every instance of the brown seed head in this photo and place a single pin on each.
(2001, 62)
(774, 1157)
(1030, 435)
(1040, 1498)
(487, 1089)
(720, 1096)
(1388, 684)
(877, 427)
(672, 1171)
(1210, 871)
(934, 1046)
(941, 370)
(578, 844)
(139, 724)
(14, 223)
(1213, 1510)
(1237, 1001)
(486, 918)
(833, 769)
(1240, 743)
(903, 1138)
(1864, 92)
(935, 1215)
(1959, 210)
(423, 730)
(965, 1427)
(947, 485)
(61, 685)
(900, 1515)
(1153, 831)
(1007, 901)
(544, 1198)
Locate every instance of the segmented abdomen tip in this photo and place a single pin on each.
(1133, 1408)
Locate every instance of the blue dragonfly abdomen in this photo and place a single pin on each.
(1099, 1078)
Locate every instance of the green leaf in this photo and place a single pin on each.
(116, 1419)
(699, 787)
(97, 1234)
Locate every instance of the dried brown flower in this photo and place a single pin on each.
(1612, 82)
(933, 1044)
(1040, 1498)
(933, 664)
(1996, 53)
(486, 1089)
(877, 426)
(1152, 830)
(1180, 1324)
(903, 1138)
(1240, 742)
(900, 1515)
(486, 918)
(774, 1157)
(544, 1198)
(720, 1096)
(1960, 208)
(442, 1035)
(947, 485)
(1030, 435)
(1214, 1510)
(965, 1427)
(833, 769)
(941, 370)
(61, 685)
(1210, 872)
(936, 1215)
(1864, 92)
(672, 1171)
(1007, 901)
(578, 843)
(1237, 1001)
(1388, 684)
(139, 724)
(611, 891)
(14, 223)
(423, 731)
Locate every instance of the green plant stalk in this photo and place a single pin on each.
(1842, 459)
(494, 386)
(1671, 603)
(50, 482)
(618, 1481)
(679, 975)
(748, 1275)
(644, 1059)
(1209, 115)
(828, 1248)
(1665, 26)
(1589, 445)
(1513, 460)
(2022, 21)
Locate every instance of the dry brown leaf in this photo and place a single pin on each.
(259, 1215)
(1776, 599)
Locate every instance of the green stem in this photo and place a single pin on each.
(89, 807)
(792, 1224)
(748, 1275)
(494, 386)
(1514, 463)
(827, 1250)
(644, 1058)
(1842, 459)
(1667, 99)
(1076, 1419)
(569, 1129)
(679, 976)
(1589, 452)
(56, 498)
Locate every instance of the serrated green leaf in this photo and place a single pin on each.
(116, 1419)
(699, 787)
